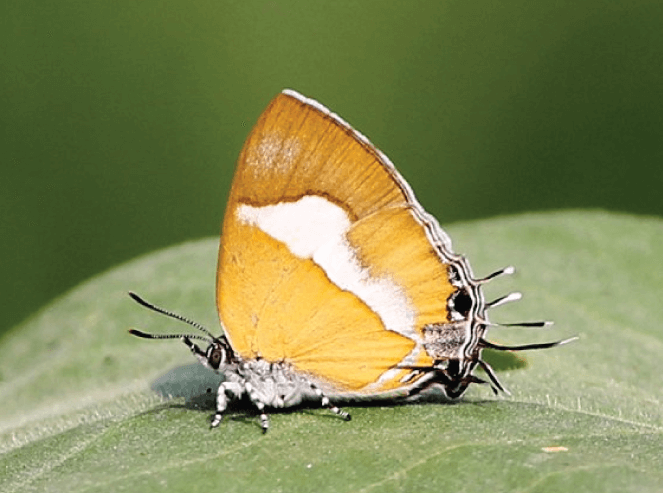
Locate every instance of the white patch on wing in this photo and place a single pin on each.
(304, 226)
(315, 228)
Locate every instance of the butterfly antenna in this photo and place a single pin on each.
(147, 335)
(170, 314)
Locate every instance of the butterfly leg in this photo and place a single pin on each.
(226, 389)
(257, 399)
(453, 386)
(327, 403)
(264, 419)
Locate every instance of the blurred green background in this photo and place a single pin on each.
(121, 121)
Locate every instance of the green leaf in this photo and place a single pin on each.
(80, 411)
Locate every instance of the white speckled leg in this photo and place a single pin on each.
(327, 403)
(256, 398)
(234, 389)
(264, 419)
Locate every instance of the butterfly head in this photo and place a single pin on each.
(218, 353)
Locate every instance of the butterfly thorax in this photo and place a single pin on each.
(275, 385)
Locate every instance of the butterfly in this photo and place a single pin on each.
(333, 282)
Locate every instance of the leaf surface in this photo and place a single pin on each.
(82, 409)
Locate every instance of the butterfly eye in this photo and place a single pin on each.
(215, 356)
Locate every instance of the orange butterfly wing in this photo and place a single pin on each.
(325, 261)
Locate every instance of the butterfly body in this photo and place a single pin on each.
(327, 260)
(332, 280)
